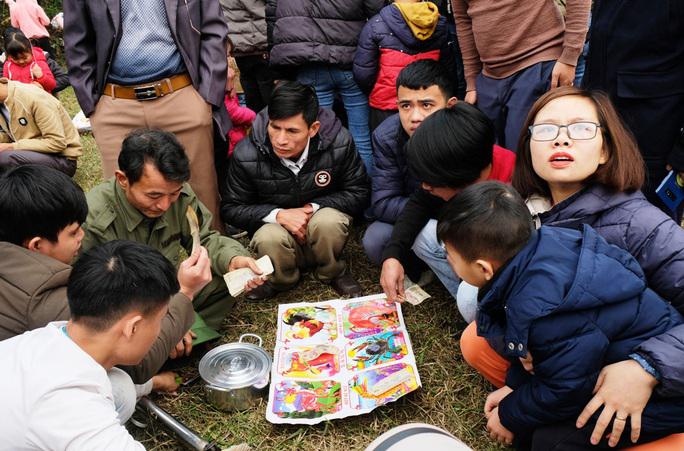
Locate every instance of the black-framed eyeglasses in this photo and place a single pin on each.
(576, 130)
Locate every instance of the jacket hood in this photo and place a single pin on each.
(591, 202)
(558, 270)
(330, 127)
(419, 20)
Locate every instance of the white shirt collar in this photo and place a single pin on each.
(296, 166)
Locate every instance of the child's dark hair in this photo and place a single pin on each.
(16, 43)
(422, 74)
(486, 220)
(119, 277)
(158, 147)
(290, 98)
(451, 147)
(37, 201)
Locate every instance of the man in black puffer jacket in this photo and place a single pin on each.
(295, 184)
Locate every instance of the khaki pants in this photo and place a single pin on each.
(183, 113)
(327, 233)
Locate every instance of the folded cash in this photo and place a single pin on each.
(413, 293)
(237, 280)
(193, 220)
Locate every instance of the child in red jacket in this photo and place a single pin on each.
(25, 63)
(241, 117)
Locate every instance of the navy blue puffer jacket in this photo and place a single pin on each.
(392, 182)
(552, 300)
(629, 221)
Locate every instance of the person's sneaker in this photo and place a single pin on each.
(426, 278)
(234, 232)
(346, 285)
(262, 292)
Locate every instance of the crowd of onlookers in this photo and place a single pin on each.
(513, 151)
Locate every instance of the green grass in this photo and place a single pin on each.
(452, 395)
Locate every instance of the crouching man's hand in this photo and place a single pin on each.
(184, 347)
(194, 273)
(497, 431)
(392, 280)
(238, 262)
(295, 221)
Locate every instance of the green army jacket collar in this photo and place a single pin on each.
(131, 216)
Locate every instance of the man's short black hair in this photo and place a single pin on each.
(119, 277)
(422, 74)
(157, 147)
(451, 147)
(290, 98)
(37, 201)
(486, 220)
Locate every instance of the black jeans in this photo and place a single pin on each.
(13, 158)
(256, 80)
(45, 44)
(660, 418)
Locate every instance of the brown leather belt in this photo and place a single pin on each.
(148, 91)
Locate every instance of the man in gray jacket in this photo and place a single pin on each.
(246, 21)
(159, 64)
(314, 41)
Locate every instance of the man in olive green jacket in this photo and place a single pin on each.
(147, 200)
(35, 129)
(40, 235)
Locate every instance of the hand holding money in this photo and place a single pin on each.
(244, 273)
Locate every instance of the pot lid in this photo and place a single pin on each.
(235, 365)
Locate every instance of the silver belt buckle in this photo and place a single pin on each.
(147, 92)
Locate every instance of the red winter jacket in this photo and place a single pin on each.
(387, 45)
(23, 73)
(241, 117)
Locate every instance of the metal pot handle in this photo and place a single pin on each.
(251, 335)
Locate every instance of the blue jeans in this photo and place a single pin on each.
(428, 248)
(330, 80)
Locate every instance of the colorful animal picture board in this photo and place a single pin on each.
(369, 317)
(339, 358)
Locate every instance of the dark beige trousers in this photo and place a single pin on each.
(327, 233)
(183, 113)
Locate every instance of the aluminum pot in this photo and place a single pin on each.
(236, 375)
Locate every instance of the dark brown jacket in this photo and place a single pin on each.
(33, 293)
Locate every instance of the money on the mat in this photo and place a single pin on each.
(413, 293)
(193, 220)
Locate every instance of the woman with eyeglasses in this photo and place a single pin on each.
(578, 164)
